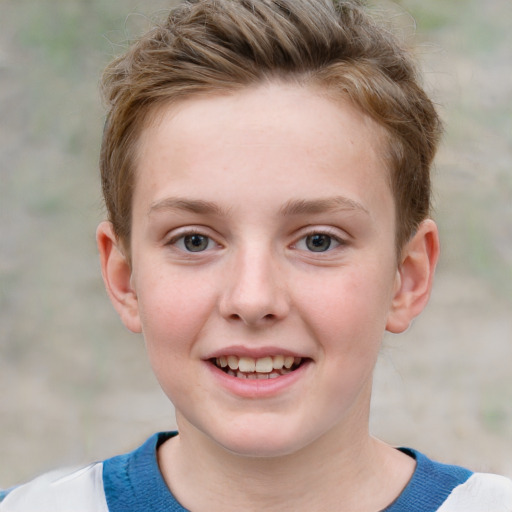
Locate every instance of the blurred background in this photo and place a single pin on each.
(75, 386)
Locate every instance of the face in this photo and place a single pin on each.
(263, 265)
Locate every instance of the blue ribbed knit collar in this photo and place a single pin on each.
(133, 482)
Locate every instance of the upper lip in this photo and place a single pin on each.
(254, 352)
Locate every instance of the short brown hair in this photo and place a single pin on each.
(208, 46)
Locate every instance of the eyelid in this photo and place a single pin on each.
(181, 233)
(321, 230)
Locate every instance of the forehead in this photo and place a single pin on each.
(256, 106)
(266, 135)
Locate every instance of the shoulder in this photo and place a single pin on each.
(125, 482)
(432, 481)
(481, 492)
(59, 491)
(437, 487)
(467, 491)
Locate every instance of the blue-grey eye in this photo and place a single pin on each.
(196, 242)
(318, 242)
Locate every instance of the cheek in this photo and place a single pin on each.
(349, 309)
(172, 318)
(173, 310)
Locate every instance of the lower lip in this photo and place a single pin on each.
(258, 388)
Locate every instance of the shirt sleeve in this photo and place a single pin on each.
(79, 491)
(480, 492)
(3, 494)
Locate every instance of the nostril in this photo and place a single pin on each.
(252, 309)
(266, 318)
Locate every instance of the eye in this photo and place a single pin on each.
(196, 243)
(193, 242)
(318, 242)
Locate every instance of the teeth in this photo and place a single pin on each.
(278, 362)
(261, 368)
(233, 362)
(247, 364)
(264, 365)
(288, 361)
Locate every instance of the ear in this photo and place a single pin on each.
(117, 276)
(414, 277)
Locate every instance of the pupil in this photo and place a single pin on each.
(318, 243)
(196, 243)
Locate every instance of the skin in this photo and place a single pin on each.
(256, 174)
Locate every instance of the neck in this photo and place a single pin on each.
(329, 474)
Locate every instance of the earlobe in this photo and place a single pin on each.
(414, 277)
(117, 276)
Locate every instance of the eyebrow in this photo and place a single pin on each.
(329, 204)
(190, 205)
(292, 207)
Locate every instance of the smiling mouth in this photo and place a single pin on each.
(270, 367)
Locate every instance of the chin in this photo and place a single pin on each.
(260, 449)
(261, 442)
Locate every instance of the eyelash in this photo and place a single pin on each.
(321, 233)
(175, 241)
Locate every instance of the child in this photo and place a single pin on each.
(265, 166)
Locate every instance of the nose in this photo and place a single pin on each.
(255, 289)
